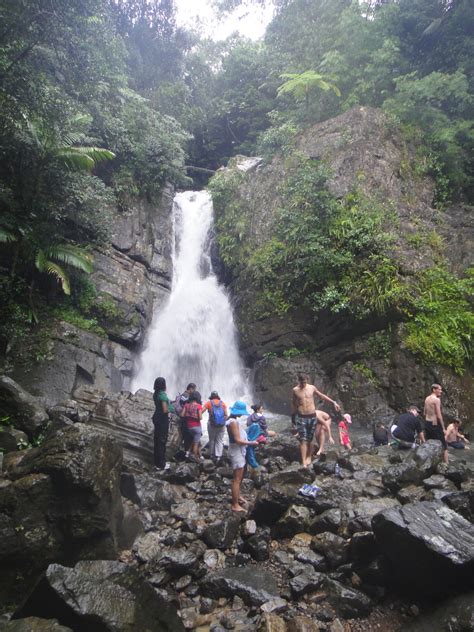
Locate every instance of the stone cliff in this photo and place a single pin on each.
(133, 275)
(364, 363)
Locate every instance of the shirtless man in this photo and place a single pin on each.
(434, 424)
(303, 414)
(454, 438)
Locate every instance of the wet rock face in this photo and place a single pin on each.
(430, 547)
(101, 596)
(133, 277)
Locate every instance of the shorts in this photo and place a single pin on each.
(237, 456)
(457, 445)
(195, 433)
(436, 433)
(305, 426)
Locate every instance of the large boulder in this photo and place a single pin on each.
(64, 501)
(102, 596)
(430, 547)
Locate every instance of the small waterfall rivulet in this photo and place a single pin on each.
(193, 337)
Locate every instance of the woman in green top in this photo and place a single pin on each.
(161, 422)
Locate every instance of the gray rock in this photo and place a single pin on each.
(329, 520)
(275, 605)
(25, 411)
(349, 602)
(221, 534)
(34, 624)
(363, 548)
(148, 546)
(253, 585)
(453, 615)
(462, 503)
(12, 439)
(365, 509)
(110, 594)
(429, 546)
(69, 409)
(427, 457)
(334, 548)
(178, 562)
(395, 477)
(258, 546)
(410, 494)
(316, 560)
(306, 582)
(295, 520)
(64, 502)
(183, 473)
(436, 481)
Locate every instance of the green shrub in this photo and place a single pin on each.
(441, 330)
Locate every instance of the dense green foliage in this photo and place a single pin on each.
(77, 139)
(106, 100)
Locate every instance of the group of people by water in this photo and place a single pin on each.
(311, 426)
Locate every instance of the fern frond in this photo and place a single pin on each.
(6, 236)
(71, 255)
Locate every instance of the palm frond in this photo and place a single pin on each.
(6, 236)
(60, 275)
(72, 256)
(83, 158)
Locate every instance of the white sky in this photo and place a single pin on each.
(199, 14)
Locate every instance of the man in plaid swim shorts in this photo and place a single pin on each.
(303, 414)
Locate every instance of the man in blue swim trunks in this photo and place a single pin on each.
(303, 414)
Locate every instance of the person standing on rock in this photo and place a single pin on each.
(303, 414)
(238, 443)
(180, 401)
(192, 414)
(434, 424)
(161, 423)
(218, 414)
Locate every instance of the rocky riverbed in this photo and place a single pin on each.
(93, 538)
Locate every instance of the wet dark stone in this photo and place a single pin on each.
(452, 615)
(365, 509)
(394, 477)
(33, 624)
(462, 503)
(222, 533)
(258, 546)
(329, 520)
(348, 602)
(251, 584)
(306, 582)
(425, 542)
(363, 548)
(100, 596)
(427, 457)
(457, 473)
(334, 548)
(295, 520)
(182, 473)
(178, 562)
(316, 560)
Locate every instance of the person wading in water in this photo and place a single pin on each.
(303, 414)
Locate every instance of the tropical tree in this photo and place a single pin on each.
(301, 85)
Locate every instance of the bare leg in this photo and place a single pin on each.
(445, 456)
(322, 439)
(305, 450)
(236, 481)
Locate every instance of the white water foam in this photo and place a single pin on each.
(193, 338)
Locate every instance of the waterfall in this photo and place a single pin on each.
(193, 338)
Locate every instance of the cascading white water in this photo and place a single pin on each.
(193, 338)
